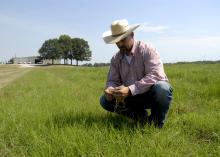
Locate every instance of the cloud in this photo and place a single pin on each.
(150, 28)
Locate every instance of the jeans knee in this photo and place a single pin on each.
(102, 100)
(162, 91)
(107, 105)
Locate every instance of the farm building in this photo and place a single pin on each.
(26, 60)
(49, 61)
(33, 60)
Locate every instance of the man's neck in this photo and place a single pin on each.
(128, 53)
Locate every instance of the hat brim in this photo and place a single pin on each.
(109, 39)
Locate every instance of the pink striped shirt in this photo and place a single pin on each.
(144, 70)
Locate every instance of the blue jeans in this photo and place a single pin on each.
(158, 99)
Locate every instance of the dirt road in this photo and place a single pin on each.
(8, 73)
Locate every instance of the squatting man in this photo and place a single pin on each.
(136, 80)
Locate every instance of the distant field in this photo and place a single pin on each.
(55, 111)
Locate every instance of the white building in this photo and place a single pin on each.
(34, 60)
(26, 60)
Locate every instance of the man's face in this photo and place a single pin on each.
(125, 45)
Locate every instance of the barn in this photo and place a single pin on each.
(33, 60)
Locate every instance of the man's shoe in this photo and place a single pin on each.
(152, 120)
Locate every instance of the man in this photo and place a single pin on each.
(136, 79)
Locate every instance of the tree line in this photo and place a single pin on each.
(66, 48)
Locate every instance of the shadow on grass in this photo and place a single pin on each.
(90, 119)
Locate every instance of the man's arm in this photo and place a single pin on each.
(154, 72)
(113, 79)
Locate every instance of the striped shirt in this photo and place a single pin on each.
(144, 70)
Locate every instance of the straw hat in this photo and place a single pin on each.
(119, 30)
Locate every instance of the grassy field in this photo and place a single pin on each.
(55, 111)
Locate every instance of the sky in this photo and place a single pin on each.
(180, 30)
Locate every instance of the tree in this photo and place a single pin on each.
(80, 50)
(65, 45)
(50, 50)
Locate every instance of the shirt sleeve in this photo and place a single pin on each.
(113, 79)
(154, 71)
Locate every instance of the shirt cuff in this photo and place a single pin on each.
(133, 89)
(110, 87)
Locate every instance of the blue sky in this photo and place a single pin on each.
(181, 30)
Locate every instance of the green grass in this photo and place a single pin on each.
(55, 111)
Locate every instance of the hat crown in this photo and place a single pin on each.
(119, 30)
(119, 27)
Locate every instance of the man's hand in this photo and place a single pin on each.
(121, 91)
(109, 93)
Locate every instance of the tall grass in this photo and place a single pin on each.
(55, 111)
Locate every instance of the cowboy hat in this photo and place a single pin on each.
(119, 30)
